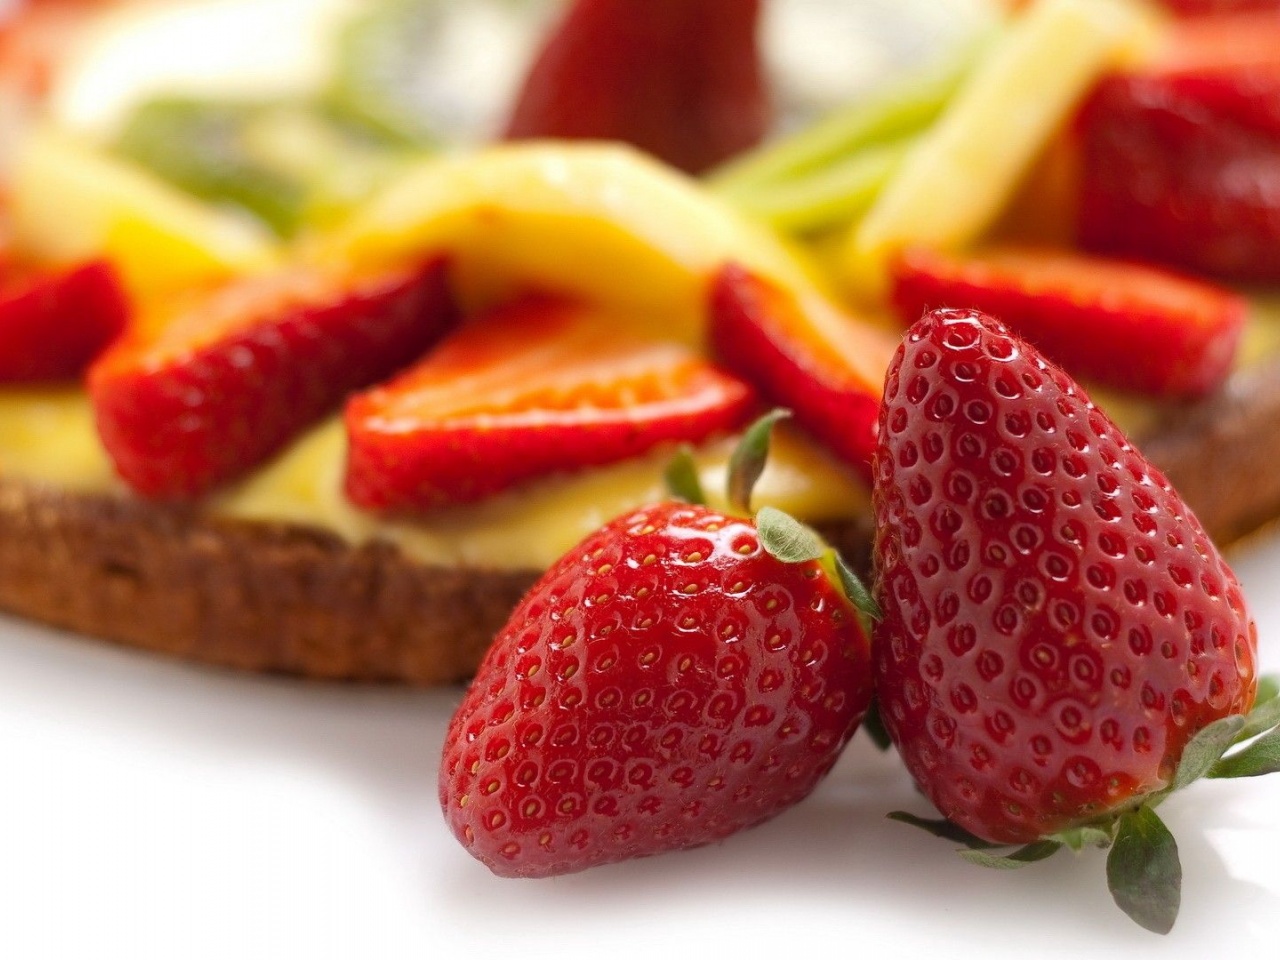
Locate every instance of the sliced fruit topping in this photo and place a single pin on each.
(805, 352)
(529, 216)
(379, 68)
(534, 388)
(1178, 158)
(678, 676)
(961, 174)
(1062, 645)
(70, 202)
(53, 323)
(201, 146)
(681, 79)
(1129, 326)
(287, 163)
(220, 383)
(1200, 8)
(826, 174)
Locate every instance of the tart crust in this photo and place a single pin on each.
(284, 598)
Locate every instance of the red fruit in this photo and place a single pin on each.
(52, 324)
(1057, 625)
(665, 684)
(237, 372)
(1133, 327)
(1179, 160)
(825, 365)
(534, 388)
(1200, 8)
(681, 79)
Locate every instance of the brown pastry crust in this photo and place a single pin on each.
(288, 599)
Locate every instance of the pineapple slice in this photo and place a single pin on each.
(603, 223)
(960, 176)
(71, 202)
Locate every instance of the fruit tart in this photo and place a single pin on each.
(329, 392)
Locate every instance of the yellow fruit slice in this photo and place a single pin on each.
(70, 202)
(963, 172)
(600, 222)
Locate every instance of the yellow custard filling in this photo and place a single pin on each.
(47, 436)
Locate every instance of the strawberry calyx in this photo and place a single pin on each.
(781, 535)
(1144, 874)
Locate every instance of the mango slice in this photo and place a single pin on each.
(71, 202)
(962, 173)
(599, 222)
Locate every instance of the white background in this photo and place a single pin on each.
(153, 809)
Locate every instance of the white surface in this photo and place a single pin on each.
(152, 809)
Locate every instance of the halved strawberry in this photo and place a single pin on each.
(1132, 326)
(1179, 158)
(681, 79)
(1200, 8)
(53, 323)
(806, 354)
(236, 372)
(532, 388)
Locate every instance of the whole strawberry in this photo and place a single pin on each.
(1061, 641)
(667, 683)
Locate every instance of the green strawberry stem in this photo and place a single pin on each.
(781, 535)
(1143, 870)
(748, 460)
(681, 477)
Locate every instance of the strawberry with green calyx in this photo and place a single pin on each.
(681, 674)
(1062, 645)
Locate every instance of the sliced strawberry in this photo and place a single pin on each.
(52, 324)
(681, 79)
(1179, 161)
(806, 354)
(533, 388)
(1201, 8)
(1130, 326)
(240, 370)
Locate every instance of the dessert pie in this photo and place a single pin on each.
(549, 321)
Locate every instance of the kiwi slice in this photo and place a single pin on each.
(201, 146)
(290, 164)
(380, 71)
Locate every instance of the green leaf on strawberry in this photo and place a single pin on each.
(681, 477)
(1143, 870)
(747, 463)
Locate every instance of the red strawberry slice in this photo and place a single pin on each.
(681, 79)
(668, 682)
(825, 365)
(1058, 628)
(52, 324)
(237, 372)
(1179, 160)
(531, 389)
(1122, 324)
(1200, 8)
